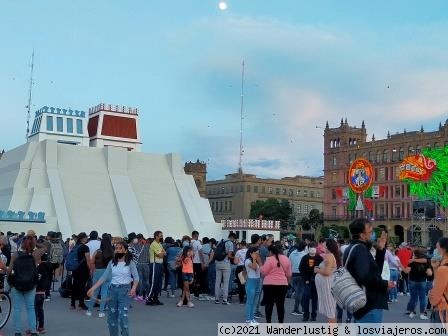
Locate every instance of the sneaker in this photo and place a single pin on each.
(407, 294)
(400, 294)
(423, 317)
(158, 303)
(396, 300)
(41, 331)
(190, 304)
(217, 302)
(254, 323)
(180, 303)
(101, 314)
(390, 301)
(88, 313)
(225, 302)
(171, 296)
(258, 315)
(296, 313)
(412, 315)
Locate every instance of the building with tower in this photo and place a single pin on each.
(198, 170)
(79, 172)
(391, 205)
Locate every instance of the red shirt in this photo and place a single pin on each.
(404, 254)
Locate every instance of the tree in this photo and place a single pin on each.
(316, 219)
(273, 209)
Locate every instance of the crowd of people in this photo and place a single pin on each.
(113, 272)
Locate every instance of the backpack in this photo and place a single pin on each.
(72, 263)
(346, 291)
(25, 275)
(220, 252)
(56, 253)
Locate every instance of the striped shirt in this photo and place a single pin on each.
(140, 253)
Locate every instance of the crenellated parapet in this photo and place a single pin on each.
(60, 111)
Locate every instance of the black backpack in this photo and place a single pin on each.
(220, 252)
(25, 276)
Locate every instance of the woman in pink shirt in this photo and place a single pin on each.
(277, 272)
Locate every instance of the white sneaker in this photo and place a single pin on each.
(407, 294)
(202, 298)
(88, 313)
(254, 323)
(396, 300)
(423, 317)
(180, 303)
(190, 304)
(412, 315)
(400, 294)
(101, 314)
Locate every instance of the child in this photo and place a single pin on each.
(45, 271)
(187, 275)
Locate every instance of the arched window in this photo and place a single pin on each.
(349, 141)
(394, 154)
(378, 156)
(411, 150)
(418, 150)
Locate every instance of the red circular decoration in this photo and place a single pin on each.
(360, 175)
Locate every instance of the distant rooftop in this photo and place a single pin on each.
(60, 111)
(113, 108)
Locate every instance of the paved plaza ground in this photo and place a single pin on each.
(169, 320)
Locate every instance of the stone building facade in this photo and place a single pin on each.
(395, 208)
(198, 170)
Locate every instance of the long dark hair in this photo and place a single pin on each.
(127, 255)
(106, 248)
(274, 250)
(185, 251)
(333, 247)
(249, 252)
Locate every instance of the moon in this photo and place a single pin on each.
(222, 5)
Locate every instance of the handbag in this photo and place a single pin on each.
(242, 277)
(346, 291)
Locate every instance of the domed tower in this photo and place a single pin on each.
(198, 170)
(114, 126)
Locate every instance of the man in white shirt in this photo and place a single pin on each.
(198, 268)
(296, 281)
(93, 243)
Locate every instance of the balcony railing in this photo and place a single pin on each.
(250, 224)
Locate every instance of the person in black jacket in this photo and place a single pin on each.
(45, 271)
(366, 269)
(306, 268)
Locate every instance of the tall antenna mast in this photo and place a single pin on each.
(30, 91)
(240, 165)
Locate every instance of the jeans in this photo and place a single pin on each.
(393, 292)
(102, 290)
(211, 278)
(143, 283)
(172, 280)
(372, 317)
(275, 294)
(222, 275)
(297, 285)
(119, 302)
(309, 293)
(232, 278)
(156, 277)
(418, 293)
(39, 307)
(258, 295)
(251, 290)
(19, 299)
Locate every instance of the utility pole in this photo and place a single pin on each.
(240, 165)
(30, 95)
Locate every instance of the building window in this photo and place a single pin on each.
(385, 155)
(394, 154)
(230, 205)
(50, 123)
(397, 191)
(305, 209)
(401, 154)
(397, 212)
(223, 190)
(225, 206)
(59, 126)
(270, 189)
(232, 190)
(291, 192)
(241, 188)
(418, 150)
(298, 192)
(255, 189)
(378, 156)
(317, 194)
(312, 194)
(333, 211)
(305, 193)
(411, 150)
(220, 206)
(263, 189)
(299, 208)
(277, 191)
(79, 126)
(334, 160)
(382, 174)
(69, 125)
(382, 213)
(371, 156)
(248, 188)
(284, 191)
(333, 194)
(334, 177)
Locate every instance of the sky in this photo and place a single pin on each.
(179, 62)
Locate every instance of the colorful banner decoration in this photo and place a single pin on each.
(360, 175)
(417, 167)
(435, 187)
